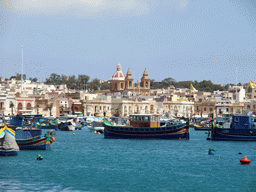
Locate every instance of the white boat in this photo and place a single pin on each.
(96, 126)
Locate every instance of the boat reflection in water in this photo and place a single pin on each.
(146, 126)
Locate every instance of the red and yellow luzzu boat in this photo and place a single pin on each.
(146, 126)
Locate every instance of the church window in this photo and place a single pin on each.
(130, 83)
(116, 86)
(122, 86)
(146, 84)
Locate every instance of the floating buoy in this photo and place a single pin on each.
(240, 153)
(73, 133)
(245, 161)
(211, 151)
(39, 157)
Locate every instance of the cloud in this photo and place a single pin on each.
(78, 8)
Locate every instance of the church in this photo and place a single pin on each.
(122, 83)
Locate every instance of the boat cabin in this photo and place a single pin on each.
(144, 120)
(242, 122)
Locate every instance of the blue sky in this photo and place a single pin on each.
(183, 39)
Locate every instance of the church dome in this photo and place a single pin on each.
(118, 75)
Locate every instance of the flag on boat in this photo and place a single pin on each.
(252, 84)
(191, 87)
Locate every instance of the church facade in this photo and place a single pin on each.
(120, 82)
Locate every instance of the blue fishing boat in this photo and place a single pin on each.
(32, 139)
(8, 145)
(242, 128)
(146, 126)
(29, 135)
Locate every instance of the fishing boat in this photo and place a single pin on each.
(242, 128)
(32, 139)
(29, 135)
(146, 126)
(8, 145)
(96, 126)
(202, 127)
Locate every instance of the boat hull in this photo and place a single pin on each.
(34, 143)
(234, 134)
(175, 132)
(201, 128)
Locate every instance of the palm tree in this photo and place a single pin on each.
(11, 106)
(62, 108)
(83, 107)
(37, 109)
(49, 107)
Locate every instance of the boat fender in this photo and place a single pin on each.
(39, 157)
(245, 161)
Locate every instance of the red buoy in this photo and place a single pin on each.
(245, 161)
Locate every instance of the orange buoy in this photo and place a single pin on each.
(53, 139)
(245, 161)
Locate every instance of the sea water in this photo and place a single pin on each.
(85, 161)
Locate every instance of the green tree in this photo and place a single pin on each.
(105, 85)
(95, 84)
(33, 79)
(62, 109)
(54, 79)
(82, 81)
(49, 106)
(37, 109)
(168, 81)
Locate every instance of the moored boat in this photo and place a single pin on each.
(8, 145)
(32, 139)
(242, 128)
(146, 126)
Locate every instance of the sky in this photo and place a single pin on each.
(183, 39)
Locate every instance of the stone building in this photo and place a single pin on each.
(122, 83)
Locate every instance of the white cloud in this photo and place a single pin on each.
(79, 8)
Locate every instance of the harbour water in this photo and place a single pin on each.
(88, 162)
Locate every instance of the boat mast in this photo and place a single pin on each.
(236, 89)
(22, 70)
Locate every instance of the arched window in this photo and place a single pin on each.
(28, 106)
(122, 86)
(115, 86)
(248, 106)
(20, 106)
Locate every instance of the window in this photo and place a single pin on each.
(248, 106)
(204, 109)
(28, 106)
(20, 106)
(210, 109)
(237, 119)
(227, 110)
(146, 118)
